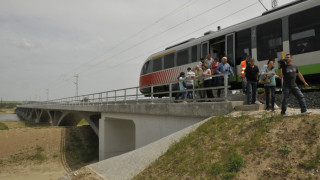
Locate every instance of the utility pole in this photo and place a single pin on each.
(76, 83)
(47, 94)
(274, 3)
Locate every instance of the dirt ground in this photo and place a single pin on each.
(44, 152)
(31, 153)
(7, 110)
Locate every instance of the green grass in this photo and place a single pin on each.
(38, 155)
(285, 149)
(83, 122)
(3, 126)
(216, 150)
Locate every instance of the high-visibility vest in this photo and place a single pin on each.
(243, 67)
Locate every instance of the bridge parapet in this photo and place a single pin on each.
(124, 124)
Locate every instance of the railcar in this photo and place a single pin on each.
(293, 28)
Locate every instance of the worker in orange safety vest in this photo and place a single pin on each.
(243, 66)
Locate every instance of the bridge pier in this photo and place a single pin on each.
(93, 120)
(121, 133)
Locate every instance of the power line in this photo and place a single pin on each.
(173, 12)
(263, 5)
(180, 37)
(177, 38)
(156, 35)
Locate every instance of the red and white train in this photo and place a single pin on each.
(293, 28)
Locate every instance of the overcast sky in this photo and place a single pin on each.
(44, 44)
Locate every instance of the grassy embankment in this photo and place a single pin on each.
(271, 147)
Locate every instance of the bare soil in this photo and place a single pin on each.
(7, 110)
(42, 152)
(18, 149)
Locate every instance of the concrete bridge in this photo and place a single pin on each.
(126, 121)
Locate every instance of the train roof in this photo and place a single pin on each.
(281, 11)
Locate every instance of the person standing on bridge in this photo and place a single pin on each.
(251, 74)
(289, 73)
(215, 80)
(223, 67)
(208, 61)
(189, 82)
(182, 88)
(270, 88)
(243, 66)
(199, 78)
(201, 63)
(207, 81)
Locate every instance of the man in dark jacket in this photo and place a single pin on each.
(251, 74)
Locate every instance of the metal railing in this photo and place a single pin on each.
(151, 94)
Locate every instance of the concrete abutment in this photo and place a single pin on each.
(121, 133)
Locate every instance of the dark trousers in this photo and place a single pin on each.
(286, 91)
(219, 82)
(202, 93)
(251, 91)
(207, 84)
(244, 85)
(267, 90)
(215, 83)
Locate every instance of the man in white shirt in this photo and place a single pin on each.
(208, 61)
(189, 82)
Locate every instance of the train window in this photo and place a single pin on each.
(243, 44)
(194, 56)
(183, 57)
(146, 68)
(304, 31)
(269, 40)
(157, 64)
(204, 50)
(168, 61)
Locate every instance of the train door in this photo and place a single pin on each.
(204, 49)
(230, 51)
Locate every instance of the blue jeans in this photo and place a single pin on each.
(244, 85)
(267, 90)
(286, 91)
(251, 91)
(190, 93)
